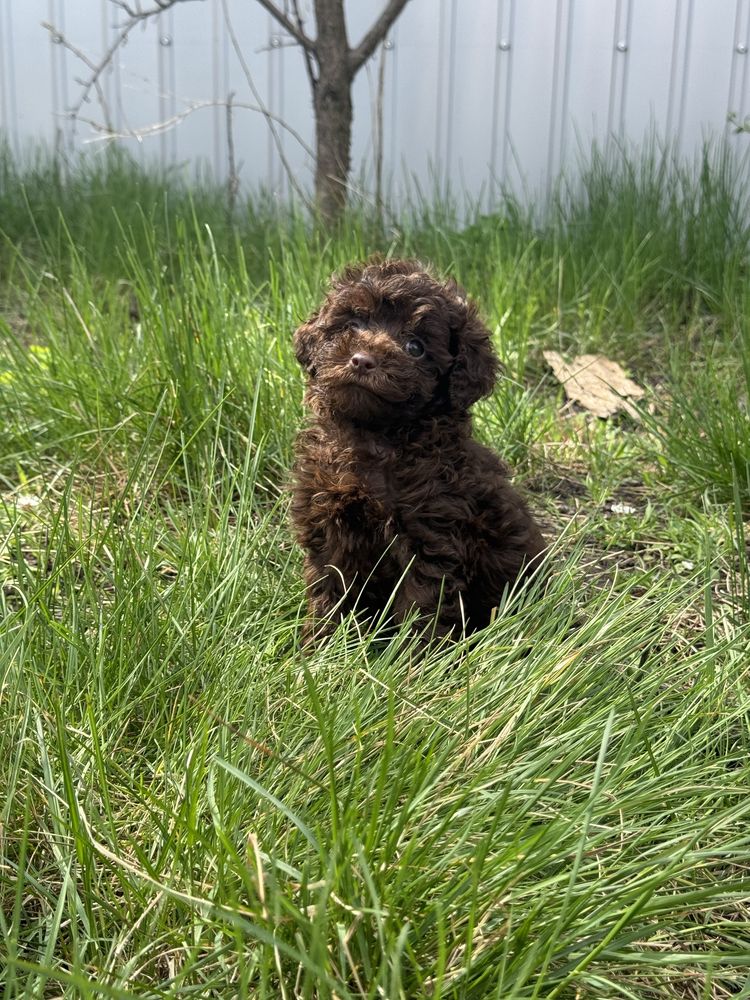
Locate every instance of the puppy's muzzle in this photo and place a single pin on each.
(361, 361)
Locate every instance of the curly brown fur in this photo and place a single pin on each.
(391, 492)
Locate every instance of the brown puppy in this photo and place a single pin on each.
(391, 492)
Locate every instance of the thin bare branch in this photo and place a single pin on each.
(156, 128)
(311, 76)
(264, 110)
(276, 44)
(362, 52)
(92, 83)
(60, 39)
(137, 13)
(288, 25)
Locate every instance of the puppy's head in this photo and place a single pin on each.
(391, 344)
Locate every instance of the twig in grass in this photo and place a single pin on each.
(410, 704)
(261, 747)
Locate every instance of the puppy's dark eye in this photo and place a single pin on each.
(356, 323)
(414, 347)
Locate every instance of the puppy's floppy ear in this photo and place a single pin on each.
(305, 343)
(476, 366)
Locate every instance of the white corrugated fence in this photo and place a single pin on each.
(479, 92)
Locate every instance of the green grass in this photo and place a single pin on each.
(189, 806)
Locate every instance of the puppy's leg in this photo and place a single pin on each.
(435, 593)
(511, 551)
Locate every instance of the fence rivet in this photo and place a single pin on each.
(388, 44)
(622, 46)
(742, 49)
(165, 40)
(504, 45)
(275, 42)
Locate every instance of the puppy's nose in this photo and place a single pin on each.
(365, 362)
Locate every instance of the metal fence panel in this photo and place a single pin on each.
(476, 94)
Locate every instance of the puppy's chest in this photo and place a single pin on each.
(387, 491)
(360, 495)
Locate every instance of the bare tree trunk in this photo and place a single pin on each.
(332, 99)
(331, 65)
(333, 137)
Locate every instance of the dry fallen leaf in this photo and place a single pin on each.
(595, 383)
